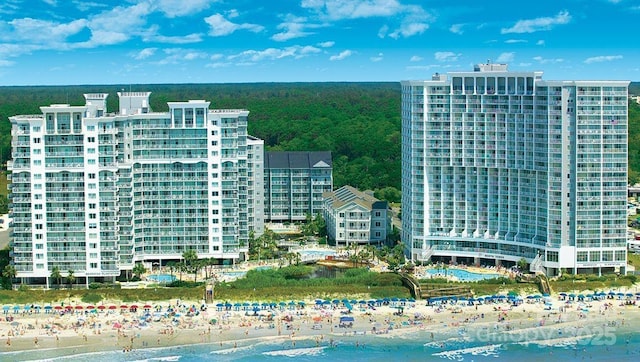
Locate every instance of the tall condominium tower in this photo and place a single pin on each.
(500, 165)
(95, 192)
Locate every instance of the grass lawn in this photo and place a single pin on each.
(3, 183)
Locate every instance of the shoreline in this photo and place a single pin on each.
(53, 336)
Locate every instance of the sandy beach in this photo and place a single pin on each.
(58, 332)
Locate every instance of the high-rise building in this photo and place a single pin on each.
(500, 165)
(294, 183)
(95, 192)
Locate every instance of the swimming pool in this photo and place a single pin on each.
(161, 278)
(460, 274)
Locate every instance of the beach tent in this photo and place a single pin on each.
(346, 319)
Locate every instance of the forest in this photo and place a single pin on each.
(358, 122)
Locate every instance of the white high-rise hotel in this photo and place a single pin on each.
(500, 165)
(95, 192)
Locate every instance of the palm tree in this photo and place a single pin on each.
(139, 269)
(9, 272)
(522, 264)
(70, 277)
(56, 275)
(191, 262)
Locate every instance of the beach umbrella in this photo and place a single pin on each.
(6, 307)
(336, 301)
(48, 307)
(16, 308)
(91, 307)
(134, 306)
(124, 306)
(68, 307)
(146, 306)
(112, 307)
(57, 307)
(102, 307)
(301, 303)
(79, 307)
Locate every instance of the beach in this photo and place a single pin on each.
(228, 328)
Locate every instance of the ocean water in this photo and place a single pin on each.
(416, 346)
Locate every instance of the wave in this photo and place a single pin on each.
(458, 354)
(296, 352)
(231, 350)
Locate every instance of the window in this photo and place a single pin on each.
(91, 150)
(38, 216)
(39, 226)
(37, 186)
(36, 140)
(92, 186)
(36, 128)
(37, 151)
(93, 265)
(39, 237)
(37, 196)
(91, 161)
(39, 246)
(93, 225)
(92, 206)
(37, 206)
(92, 196)
(91, 139)
(37, 176)
(37, 162)
(91, 128)
(93, 255)
(93, 245)
(92, 176)
(39, 256)
(93, 216)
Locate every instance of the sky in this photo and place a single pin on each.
(70, 42)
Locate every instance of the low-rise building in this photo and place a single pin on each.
(355, 217)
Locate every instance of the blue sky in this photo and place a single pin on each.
(45, 42)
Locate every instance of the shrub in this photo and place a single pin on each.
(91, 298)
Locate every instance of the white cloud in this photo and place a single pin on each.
(216, 56)
(538, 24)
(456, 29)
(382, 32)
(409, 29)
(116, 25)
(44, 32)
(326, 44)
(294, 27)
(219, 26)
(144, 53)
(176, 8)
(413, 18)
(542, 60)
(540, 42)
(515, 41)
(377, 58)
(151, 34)
(51, 2)
(415, 58)
(6, 63)
(446, 56)
(506, 57)
(179, 55)
(602, 58)
(343, 55)
(253, 56)
(353, 9)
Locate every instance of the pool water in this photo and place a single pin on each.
(461, 274)
(161, 278)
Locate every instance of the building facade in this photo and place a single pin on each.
(294, 184)
(95, 192)
(355, 218)
(500, 165)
